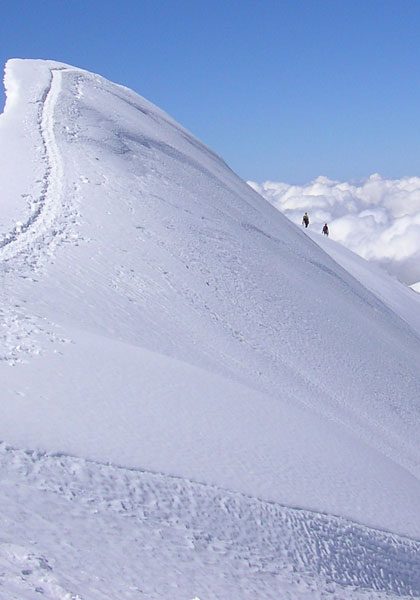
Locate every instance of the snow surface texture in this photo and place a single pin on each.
(142, 536)
(379, 219)
(257, 404)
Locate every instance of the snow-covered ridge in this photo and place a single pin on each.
(174, 264)
(160, 315)
(378, 218)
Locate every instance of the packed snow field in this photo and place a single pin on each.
(378, 218)
(197, 400)
(152, 536)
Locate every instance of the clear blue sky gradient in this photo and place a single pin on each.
(282, 90)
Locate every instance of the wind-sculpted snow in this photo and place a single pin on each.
(158, 314)
(378, 218)
(180, 539)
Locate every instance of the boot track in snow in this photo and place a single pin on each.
(33, 238)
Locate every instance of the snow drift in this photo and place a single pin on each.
(159, 314)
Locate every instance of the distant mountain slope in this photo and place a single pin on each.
(159, 314)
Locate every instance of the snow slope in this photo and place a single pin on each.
(377, 218)
(89, 531)
(158, 314)
(399, 297)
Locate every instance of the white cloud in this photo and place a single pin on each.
(378, 218)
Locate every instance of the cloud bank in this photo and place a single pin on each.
(378, 218)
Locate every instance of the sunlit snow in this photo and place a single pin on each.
(378, 218)
(197, 400)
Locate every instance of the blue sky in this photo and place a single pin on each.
(283, 90)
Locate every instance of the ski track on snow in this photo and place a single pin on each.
(263, 538)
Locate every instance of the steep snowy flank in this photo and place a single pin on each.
(158, 314)
(394, 294)
(377, 218)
